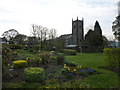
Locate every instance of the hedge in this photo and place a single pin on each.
(112, 56)
(34, 74)
(19, 64)
(15, 46)
(70, 52)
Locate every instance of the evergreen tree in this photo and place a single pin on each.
(98, 31)
(116, 28)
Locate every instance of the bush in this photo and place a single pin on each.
(112, 56)
(34, 74)
(6, 55)
(60, 59)
(15, 46)
(35, 61)
(19, 64)
(52, 58)
(70, 52)
(45, 56)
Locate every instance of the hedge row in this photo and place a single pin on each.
(112, 56)
(70, 52)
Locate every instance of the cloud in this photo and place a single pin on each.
(20, 14)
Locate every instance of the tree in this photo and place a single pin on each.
(10, 34)
(20, 39)
(94, 38)
(116, 28)
(52, 34)
(37, 31)
(97, 28)
(90, 38)
(98, 31)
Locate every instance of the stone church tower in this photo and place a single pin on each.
(77, 32)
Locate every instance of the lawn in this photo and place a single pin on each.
(106, 78)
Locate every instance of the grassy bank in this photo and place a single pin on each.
(106, 78)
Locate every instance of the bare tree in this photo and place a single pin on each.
(38, 32)
(52, 33)
(10, 34)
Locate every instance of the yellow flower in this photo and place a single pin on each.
(74, 70)
(68, 68)
(65, 66)
(63, 69)
(46, 87)
(79, 66)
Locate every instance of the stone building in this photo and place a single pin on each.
(77, 32)
(77, 36)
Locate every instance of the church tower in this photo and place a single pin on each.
(77, 32)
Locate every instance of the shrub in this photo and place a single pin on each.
(112, 56)
(15, 53)
(70, 52)
(6, 55)
(15, 46)
(34, 74)
(19, 64)
(35, 61)
(52, 58)
(45, 56)
(60, 59)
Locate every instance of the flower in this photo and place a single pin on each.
(46, 87)
(82, 71)
(90, 70)
(68, 68)
(74, 70)
(63, 69)
(79, 66)
(70, 74)
(65, 66)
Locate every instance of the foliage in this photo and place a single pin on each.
(70, 63)
(21, 85)
(60, 59)
(94, 38)
(34, 61)
(112, 56)
(52, 58)
(72, 72)
(34, 74)
(19, 64)
(116, 28)
(6, 55)
(45, 56)
(15, 46)
(20, 39)
(69, 84)
(70, 52)
(15, 53)
(10, 34)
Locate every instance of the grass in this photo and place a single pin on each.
(106, 78)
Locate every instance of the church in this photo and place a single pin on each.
(77, 36)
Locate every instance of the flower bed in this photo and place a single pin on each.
(73, 71)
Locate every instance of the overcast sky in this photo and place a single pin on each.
(58, 14)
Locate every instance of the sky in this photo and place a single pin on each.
(58, 14)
